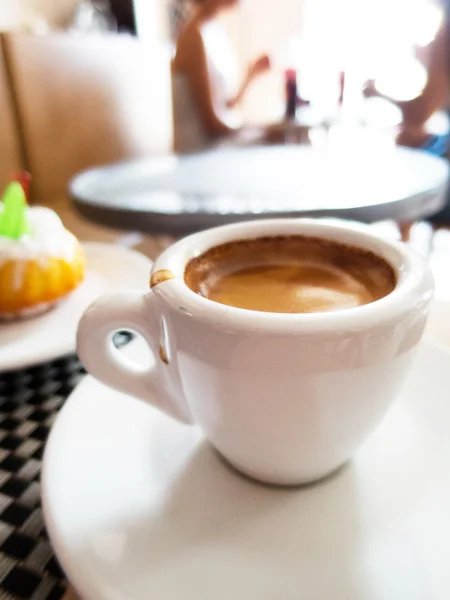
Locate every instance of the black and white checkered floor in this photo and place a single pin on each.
(29, 402)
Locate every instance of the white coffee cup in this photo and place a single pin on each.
(284, 398)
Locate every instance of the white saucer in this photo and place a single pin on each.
(52, 335)
(140, 507)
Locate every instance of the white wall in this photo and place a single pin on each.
(20, 14)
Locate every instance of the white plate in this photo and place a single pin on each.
(140, 507)
(46, 337)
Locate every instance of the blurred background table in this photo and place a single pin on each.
(175, 195)
(297, 130)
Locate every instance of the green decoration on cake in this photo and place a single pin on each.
(14, 212)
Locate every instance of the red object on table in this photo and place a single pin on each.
(24, 179)
(341, 87)
(291, 93)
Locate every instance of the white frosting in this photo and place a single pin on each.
(47, 239)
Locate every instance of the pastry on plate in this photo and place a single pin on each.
(40, 261)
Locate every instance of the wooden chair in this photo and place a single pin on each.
(87, 100)
(10, 148)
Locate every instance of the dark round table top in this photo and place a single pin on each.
(174, 195)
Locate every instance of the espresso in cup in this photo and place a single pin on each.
(290, 274)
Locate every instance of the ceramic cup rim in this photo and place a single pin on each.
(413, 278)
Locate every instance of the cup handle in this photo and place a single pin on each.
(138, 313)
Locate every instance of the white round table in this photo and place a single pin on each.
(178, 194)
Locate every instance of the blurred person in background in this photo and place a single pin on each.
(206, 94)
(434, 97)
